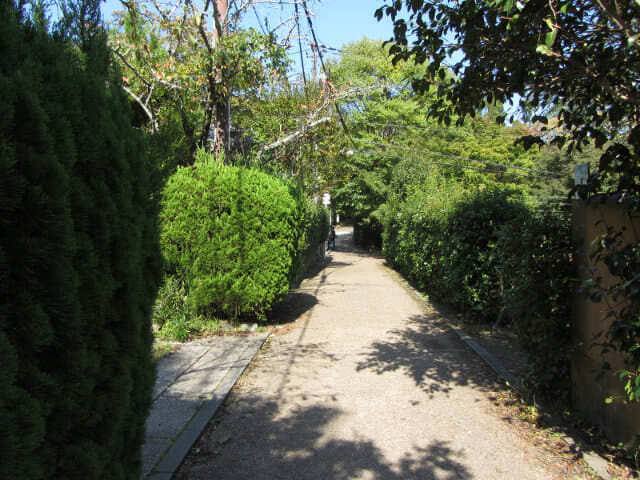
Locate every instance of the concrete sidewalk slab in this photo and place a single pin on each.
(175, 365)
(203, 376)
(169, 415)
(191, 385)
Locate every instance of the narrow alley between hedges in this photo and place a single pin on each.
(365, 381)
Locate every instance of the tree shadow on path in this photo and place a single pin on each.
(257, 440)
(293, 306)
(432, 355)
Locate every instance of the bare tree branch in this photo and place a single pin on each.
(292, 136)
(145, 109)
(633, 38)
(132, 68)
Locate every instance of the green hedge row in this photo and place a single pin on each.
(315, 223)
(241, 236)
(79, 263)
(538, 274)
(490, 257)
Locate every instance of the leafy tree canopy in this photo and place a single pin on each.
(292, 130)
(176, 65)
(386, 120)
(579, 60)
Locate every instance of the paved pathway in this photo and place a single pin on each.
(366, 384)
(191, 384)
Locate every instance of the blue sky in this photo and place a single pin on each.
(342, 21)
(336, 21)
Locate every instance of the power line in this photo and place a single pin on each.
(324, 69)
(304, 75)
(341, 50)
(429, 129)
(362, 55)
(255, 11)
(382, 154)
(487, 170)
(466, 159)
(559, 199)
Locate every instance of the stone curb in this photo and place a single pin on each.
(173, 458)
(596, 462)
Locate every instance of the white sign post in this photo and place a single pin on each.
(326, 201)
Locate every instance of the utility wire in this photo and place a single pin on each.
(364, 55)
(341, 50)
(304, 75)
(324, 69)
(428, 129)
(466, 159)
(391, 155)
(367, 152)
(255, 11)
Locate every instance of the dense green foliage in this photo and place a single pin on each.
(238, 235)
(535, 261)
(575, 61)
(178, 64)
(79, 262)
(315, 225)
(292, 129)
(387, 123)
(176, 316)
(490, 256)
(449, 248)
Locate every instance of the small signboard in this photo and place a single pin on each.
(581, 175)
(326, 199)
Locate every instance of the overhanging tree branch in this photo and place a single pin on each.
(633, 38)
(132, 68)
(145, 109)
(292, 136)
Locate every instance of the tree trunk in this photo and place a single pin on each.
(222, 123)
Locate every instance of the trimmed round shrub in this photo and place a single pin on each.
(79, 262)
(234, 232)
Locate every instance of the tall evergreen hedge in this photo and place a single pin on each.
(79, 263)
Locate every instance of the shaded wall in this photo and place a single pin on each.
(592, 384)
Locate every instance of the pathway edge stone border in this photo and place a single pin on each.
(173, 458)
(595, 461)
